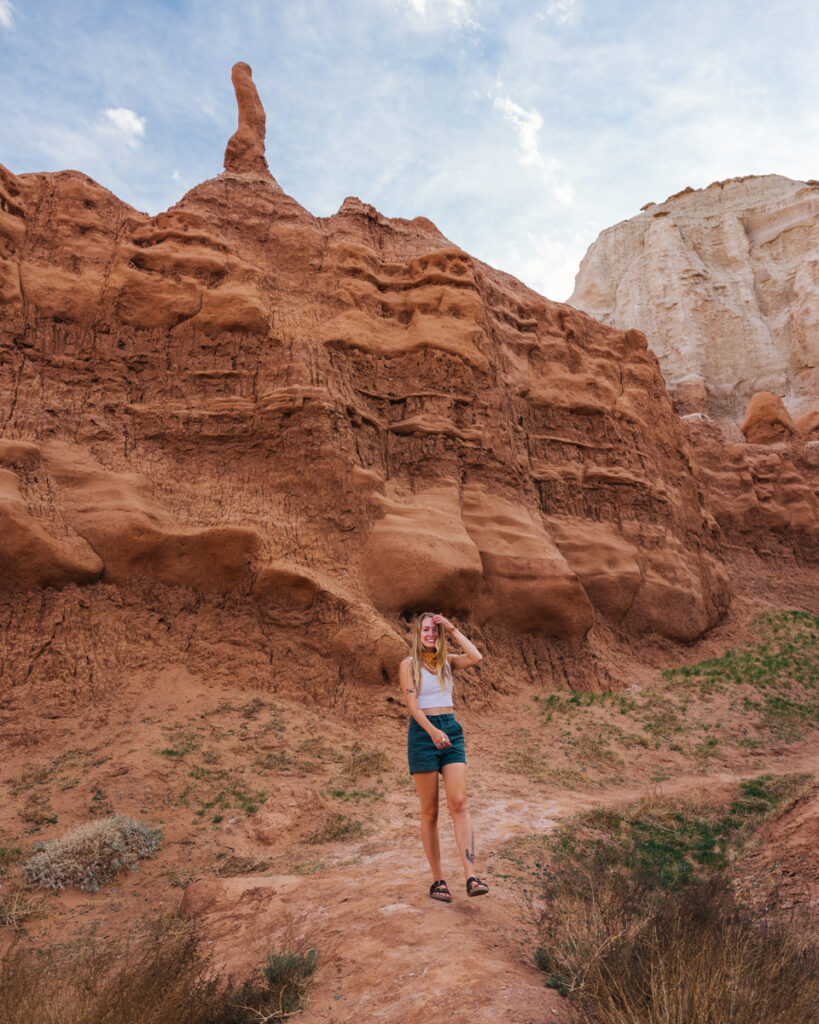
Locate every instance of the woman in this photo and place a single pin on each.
(436, 743)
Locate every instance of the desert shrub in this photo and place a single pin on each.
(91, 854)
(164, 978)
(626, 899)
(17, 905)
(700, 957)
(281, 988)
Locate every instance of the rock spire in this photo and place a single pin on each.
(245, 149)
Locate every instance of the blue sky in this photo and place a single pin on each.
(521, 129)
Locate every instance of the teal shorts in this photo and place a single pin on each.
(422, 753)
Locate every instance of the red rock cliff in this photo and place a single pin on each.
(248, 440)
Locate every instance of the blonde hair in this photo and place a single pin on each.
(441, 663)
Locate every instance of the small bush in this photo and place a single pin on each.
(17, 905)
(281, 989)
(640, 925)
(701, 957)
(89, 855)
(166, 977)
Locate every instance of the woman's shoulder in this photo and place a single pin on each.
(406, 661)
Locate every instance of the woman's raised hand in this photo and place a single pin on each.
(441, 620)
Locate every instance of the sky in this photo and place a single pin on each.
(522, 129)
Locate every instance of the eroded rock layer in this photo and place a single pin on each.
(248, 441)
(724, 282)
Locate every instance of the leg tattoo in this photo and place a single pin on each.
(470, 854)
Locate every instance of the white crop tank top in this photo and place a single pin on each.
(430, 694)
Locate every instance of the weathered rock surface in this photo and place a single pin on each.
(245, 148)
(764, 496)
(767, 420)
(724, 282)
(250, 442)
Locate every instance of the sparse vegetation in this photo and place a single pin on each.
(783, 666)
(336, 827)
(164, 977)
(361, 760)
(356, 796)
(17, 905)
(227, 866)
(91, 854)
(281, 988)
(641, 927)
(762, 693)
(9, 855)
(184, 741)
(38, 811)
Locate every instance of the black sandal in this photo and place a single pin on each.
(475, 887)
(438, 891)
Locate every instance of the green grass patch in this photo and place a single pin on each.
(356, 796)
(660, 846)
(604, 874)
(787, 654)
(184, 741)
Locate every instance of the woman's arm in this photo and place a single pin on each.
(471, 655)
(408, 688)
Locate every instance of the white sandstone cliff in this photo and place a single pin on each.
(724, 282)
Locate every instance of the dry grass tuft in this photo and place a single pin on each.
(18, 905)
(361, 760)
(164, 978)
(641, 926)
(700, 957)
(234, 865)
(91, 854)
(336, 827)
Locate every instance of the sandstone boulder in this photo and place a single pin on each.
(767, 420)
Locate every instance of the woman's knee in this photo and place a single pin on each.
(456, 804)
(429, 815)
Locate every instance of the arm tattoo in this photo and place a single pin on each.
(410, 691)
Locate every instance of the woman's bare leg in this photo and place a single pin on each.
(426, 783)
(455, 784)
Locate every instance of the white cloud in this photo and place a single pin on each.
(176, 176)
(457, 11)
(6, 14)
(561, 11)
(527, 123)
(124, 124)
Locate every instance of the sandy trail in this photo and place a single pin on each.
(391, 954)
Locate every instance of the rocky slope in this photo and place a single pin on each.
(724, 282)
